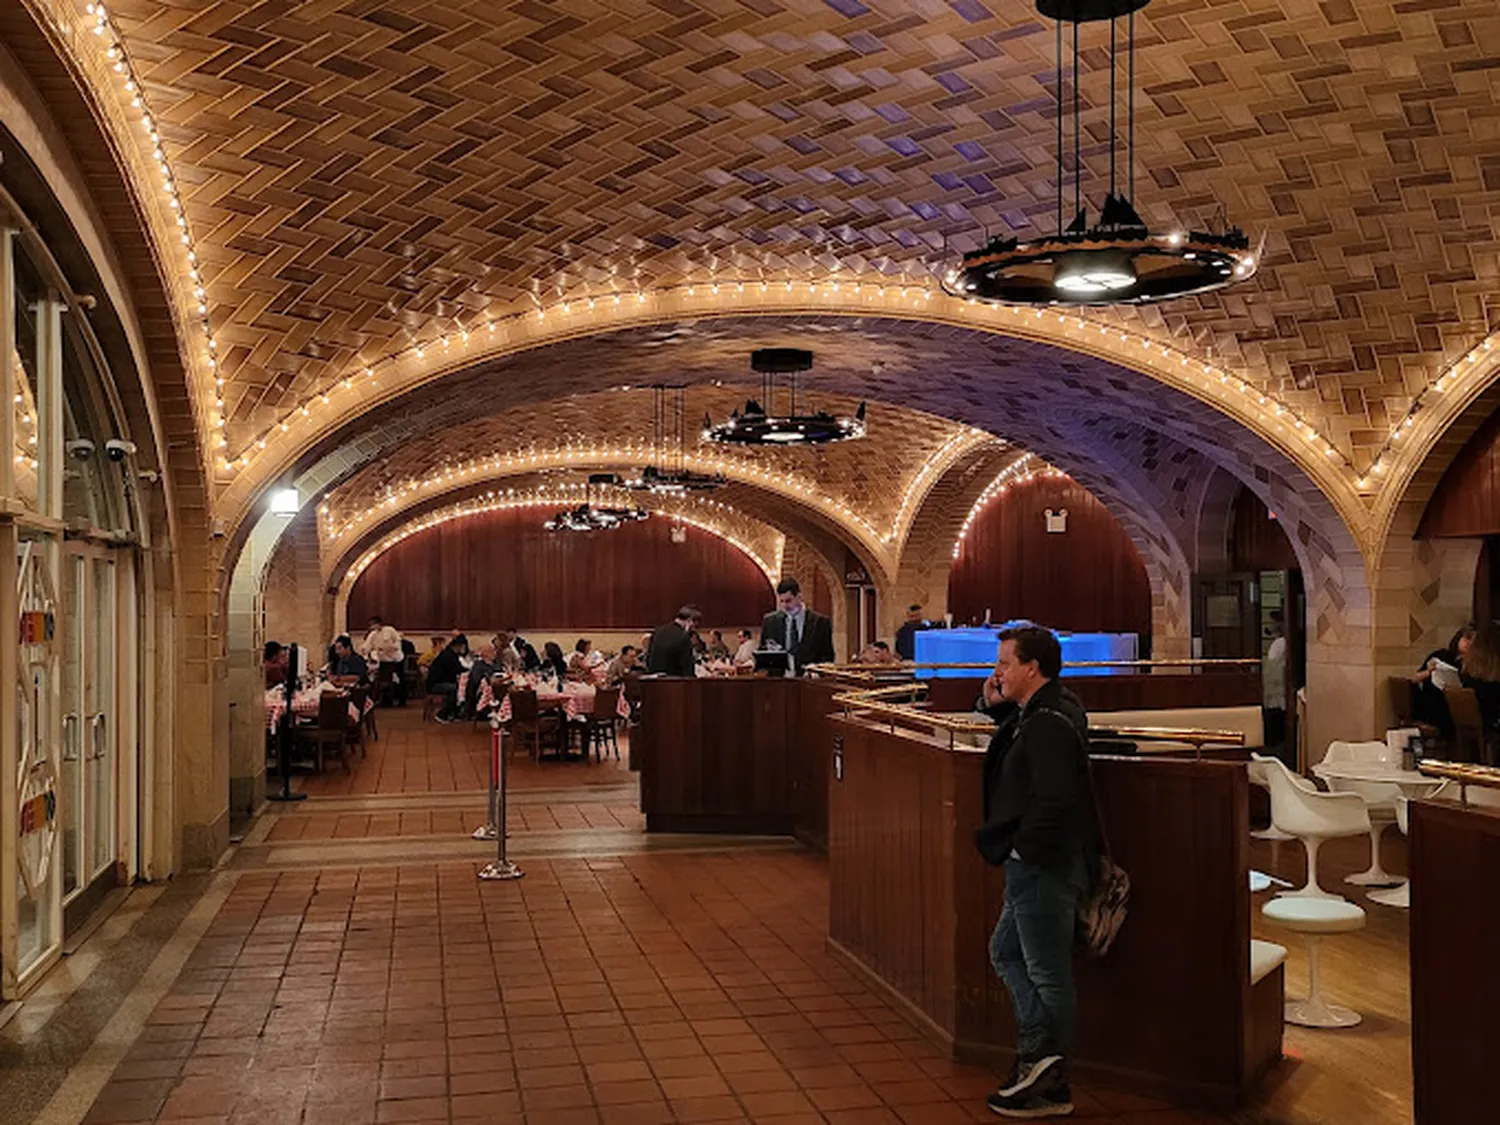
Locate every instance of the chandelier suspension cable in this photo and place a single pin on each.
(1077, 156)
(1114, 100)
(1060, 112)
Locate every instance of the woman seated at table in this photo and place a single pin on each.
(1436, 673)
(347, 666)
(583, 660)
(553, 664)
(442, 676)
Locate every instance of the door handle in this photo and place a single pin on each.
(96, 733)
(71, 749)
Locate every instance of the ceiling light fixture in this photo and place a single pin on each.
(1118, 260)
(670, 476)
(593, 514)
(760, 425)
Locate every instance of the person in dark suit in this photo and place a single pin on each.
(807, 635)
(670, 652)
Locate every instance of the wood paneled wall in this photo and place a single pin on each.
(1086, 579)
(505, 568)
(1467, 499)
(1257, 541)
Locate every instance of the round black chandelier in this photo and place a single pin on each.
(670, 476)
(1118, 260)
(593, 514)
(761, 425)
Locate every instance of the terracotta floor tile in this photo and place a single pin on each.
(830, 1098)
(626, 1092)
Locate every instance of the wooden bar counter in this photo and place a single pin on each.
(742, 754)
(1170, 1011)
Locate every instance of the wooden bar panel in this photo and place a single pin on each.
(912, 905)
(1455, 982)
(741, 754)
(1125, 693)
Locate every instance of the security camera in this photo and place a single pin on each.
(81, 449)
(119, 449)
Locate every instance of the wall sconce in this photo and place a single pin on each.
(1057, 522)
(285, 502)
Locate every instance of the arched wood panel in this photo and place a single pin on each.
(1088, 578)
(1466, 501)
(1257, 539)
(504, 568)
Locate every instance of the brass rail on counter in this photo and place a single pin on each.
(1465, 773)
(878, 701)
(874, 673)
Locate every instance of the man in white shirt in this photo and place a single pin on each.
(382, 647)
(744, 656)
(1273, 685)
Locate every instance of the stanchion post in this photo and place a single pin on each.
(502, 868)
(486, 831)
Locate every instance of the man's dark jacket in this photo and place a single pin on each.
(1037, 799)
(671, 651)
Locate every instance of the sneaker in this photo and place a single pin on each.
(1052, 1101)
(1028, 1074)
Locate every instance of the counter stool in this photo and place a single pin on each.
(1313, 918)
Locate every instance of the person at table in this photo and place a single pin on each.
(382, 648)
(1481, 675)
(795, 628)
(507, 656)
(1038, 823)
(744, 656)
(438, 644)
(621, 666)
(717, 649)
(700, 648)
(442, 676)
(906, 636)
(1440, 669)
(479, 671)
(554, 665)
(347, 666)
(877, 652)
(583, 660)
(670, 652)
(274, 661)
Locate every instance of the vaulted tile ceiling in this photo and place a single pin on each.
(359, 174)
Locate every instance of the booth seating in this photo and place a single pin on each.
(1184, 1006)
(1298, 807)
(1314, 919)
(1245, 720)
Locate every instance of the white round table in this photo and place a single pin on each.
(1379, 783)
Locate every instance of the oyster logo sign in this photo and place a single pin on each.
(37, 826)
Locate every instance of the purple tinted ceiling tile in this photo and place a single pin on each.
(851, 176)
(865, 43)
(926, 210)
(783, 111)
(970, 150)
(802, 144)
(947, 180)
(971, 10)
(905, 146)
(892, 112)
(953, 82)
(801, 204)
(979, 183)
(850, 8)
(752, 176)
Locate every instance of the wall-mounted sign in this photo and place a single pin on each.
(1057, 522)
(36, 827)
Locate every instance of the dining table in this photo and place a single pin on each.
(304, 705)
(575, 701)
(1380, 783)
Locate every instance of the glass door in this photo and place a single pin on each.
(88, 768)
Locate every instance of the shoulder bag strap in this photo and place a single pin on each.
(1088, 767)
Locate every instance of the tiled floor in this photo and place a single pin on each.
(622, 992)
(358, 972)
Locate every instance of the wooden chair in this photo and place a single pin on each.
(365, 728)
(411, 674)
(1470, 745)
(499, 686)
(599, 724)
(331, 731)
(527, 721)
(1403, 695)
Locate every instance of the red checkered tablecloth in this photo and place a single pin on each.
(304, 705)
(573, 704)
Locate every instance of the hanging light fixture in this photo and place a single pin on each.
(759, 424)
(1118, 260)
(670, 476)
(593, 514)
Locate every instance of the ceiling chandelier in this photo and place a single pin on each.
(761, 425)
(1118, 260)
(593, 514)
(670, 476)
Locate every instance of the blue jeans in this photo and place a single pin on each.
(1032, 952)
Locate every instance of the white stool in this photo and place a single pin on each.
(1313, 918)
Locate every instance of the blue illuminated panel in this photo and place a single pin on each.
(977, 645)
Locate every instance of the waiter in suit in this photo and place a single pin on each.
(808, 636)
(670, 652)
